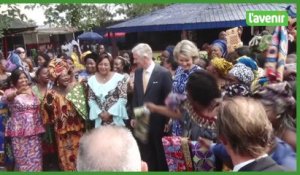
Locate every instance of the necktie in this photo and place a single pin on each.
(145, 80)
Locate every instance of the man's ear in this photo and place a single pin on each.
(144, 166)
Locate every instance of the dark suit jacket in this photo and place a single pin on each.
(159, 86)
(263, 164)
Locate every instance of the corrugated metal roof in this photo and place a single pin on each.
(193, 16)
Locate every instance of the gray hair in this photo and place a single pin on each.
(108, 148)
(143, 50)
(187, 48)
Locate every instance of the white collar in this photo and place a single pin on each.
(150, 68)
(240, 165)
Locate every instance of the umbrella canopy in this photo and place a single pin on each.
(90, 36)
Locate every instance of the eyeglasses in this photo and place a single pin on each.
(21, 52)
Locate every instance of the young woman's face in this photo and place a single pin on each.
(65, 78)
(185, 62)
(104, 67)
(43, 77)
(22, 81)
(118, 67)
(41, 60)
(90, 66)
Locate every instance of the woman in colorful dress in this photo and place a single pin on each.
(6, 157)
(184, 53)
(107, 95)
(63, 114)
(90, 59)
(25, 125)
(48, 140)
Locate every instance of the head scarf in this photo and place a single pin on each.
(222, 45)
(249, 62)
(84, 54)
(221, 65)
(56, 68)
(243, 73)
(278, 94)
(237, 90)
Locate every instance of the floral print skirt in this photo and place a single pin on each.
(28, 153)
(68, 145)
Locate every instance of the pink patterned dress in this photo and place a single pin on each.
(24, 127)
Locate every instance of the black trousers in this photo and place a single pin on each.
(153, 153)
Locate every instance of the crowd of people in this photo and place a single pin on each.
(239, 104)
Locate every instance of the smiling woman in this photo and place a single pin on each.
(24, 125)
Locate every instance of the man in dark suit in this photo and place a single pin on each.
(152, 83)
(246, 132)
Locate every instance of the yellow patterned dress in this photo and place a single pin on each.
(68, 127)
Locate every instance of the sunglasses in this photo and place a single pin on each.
(21, 52)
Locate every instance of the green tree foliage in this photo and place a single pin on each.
(87, 16)
(81, 16)
(134, 10)
(9, 13)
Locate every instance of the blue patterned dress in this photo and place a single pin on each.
(179, 82)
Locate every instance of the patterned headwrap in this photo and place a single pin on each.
(221, 65)
(249, 62)
(276, 55)
(222, 45)
(278, 94)
(243, 73)
(84, 54)
(237, 90)
(56, 67)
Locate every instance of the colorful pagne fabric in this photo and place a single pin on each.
(24, 127)
(178, 89)
(3, 117)
(79, 99)
(203, 158)
(174, 153)
(56, 67)
(68, 127)
(110, 96)
(28, 153)
(276, 55)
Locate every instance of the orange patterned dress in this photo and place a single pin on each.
(68, 127)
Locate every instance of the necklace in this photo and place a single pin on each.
(206, 122)
(104, 78)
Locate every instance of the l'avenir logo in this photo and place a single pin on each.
(267, 18)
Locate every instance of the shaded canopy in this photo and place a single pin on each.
(193, 16)
(90, 36)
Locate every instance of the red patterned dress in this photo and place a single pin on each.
(68, 127)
